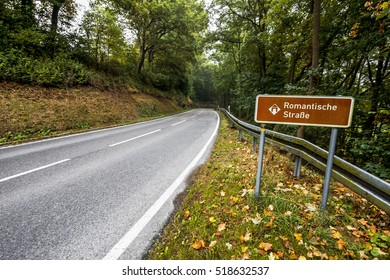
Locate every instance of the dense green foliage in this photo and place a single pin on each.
(59, 71)
(265, 47)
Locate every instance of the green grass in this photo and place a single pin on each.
(221, 219)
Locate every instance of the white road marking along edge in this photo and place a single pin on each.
(128, 140)
(178, 123)
(32, 170)
(135, 230)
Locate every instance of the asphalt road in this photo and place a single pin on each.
(99, 195)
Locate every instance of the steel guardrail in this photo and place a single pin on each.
(370, 187)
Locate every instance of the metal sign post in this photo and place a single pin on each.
(329, 166)
(260, 161)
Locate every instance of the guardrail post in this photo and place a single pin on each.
(297, 168)
(260, 161)
(240, 135)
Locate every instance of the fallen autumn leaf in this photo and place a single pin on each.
(221, 227)
(265, 246)
(198, 244)
(298, 236)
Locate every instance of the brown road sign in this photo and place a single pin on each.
(304, 110)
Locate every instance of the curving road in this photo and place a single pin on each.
(98, 195)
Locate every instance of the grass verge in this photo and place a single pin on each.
(220, 218)
(34, 112)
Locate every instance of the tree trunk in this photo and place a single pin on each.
(54, 15)
(142, 59)
(315, 59)
(369, 126)
(293, 68)
(97, 48)
(315, 43)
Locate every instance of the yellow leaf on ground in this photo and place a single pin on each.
(368, 246)
(357, 233)
(316, 252)
(198, 244)
(373, 228)
(350, 254)
(337, 235)
(244, 249)
(245, 208)
(298, 236)
(265, 246)
(302, 258)
(186, 214)
(212, 219)
(340, 244)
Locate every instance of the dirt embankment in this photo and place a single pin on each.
(34, 112)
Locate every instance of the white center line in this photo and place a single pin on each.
(128, 140)
(135, 230)
(32, 170)
(178, 123)
(197, 114)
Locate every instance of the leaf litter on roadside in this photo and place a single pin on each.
(285, 223)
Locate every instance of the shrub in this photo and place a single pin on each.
(61, 71)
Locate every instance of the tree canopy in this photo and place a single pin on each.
(153, 42)
(265, 47)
